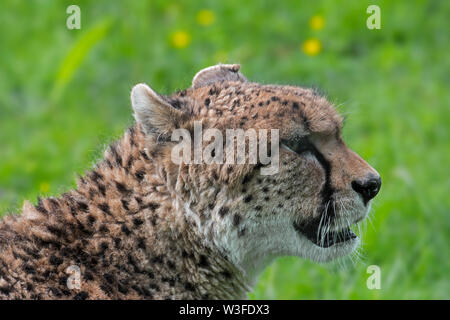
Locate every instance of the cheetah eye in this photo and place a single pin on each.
(298, 146)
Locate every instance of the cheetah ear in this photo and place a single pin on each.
(154, 113)
(220, 72)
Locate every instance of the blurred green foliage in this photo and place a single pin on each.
(65, 93)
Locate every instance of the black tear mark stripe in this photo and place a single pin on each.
(327, 190)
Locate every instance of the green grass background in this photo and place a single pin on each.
(65, 93)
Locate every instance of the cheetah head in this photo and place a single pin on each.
(320, 189)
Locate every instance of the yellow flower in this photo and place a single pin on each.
(180, 39)
(316, 22)
(312, 47)
(44, 187)
(205, 17)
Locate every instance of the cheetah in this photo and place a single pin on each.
(139, 226)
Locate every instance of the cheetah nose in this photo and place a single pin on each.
(368, 188)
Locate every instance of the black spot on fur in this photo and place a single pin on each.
(109, 278)
(223, 211)
(82, 206)
(154, 286)
(171, 265)
(91, 219)
(153, 206)
(157, 259)
(125, 230)
(248, 198)
(140, 175)
(236, 220)
(102, 189)
(32, 252)
(213, 90)
(106, 288)
(95, 175)
(56, 292)
(189, 286)
(5, 290)
(55, 261)
(54, 203)
(28, 269)
(104, 246)
(137, 289)
(117, 242)
(203, 262)
(105, 208)
(176, 103)
(122, 189)
(40, 207)
(108, 164)
(246, 179)
(144, 155)
(88, 276)
(83, 295)
(138, 222)
(141, 244)
(129, 164)
(58, 232)
(116, 155)
(207, 102)
(122, 288)
(125, 204)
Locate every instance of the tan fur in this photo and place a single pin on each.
(141, 227)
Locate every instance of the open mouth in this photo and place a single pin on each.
(324, 240)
